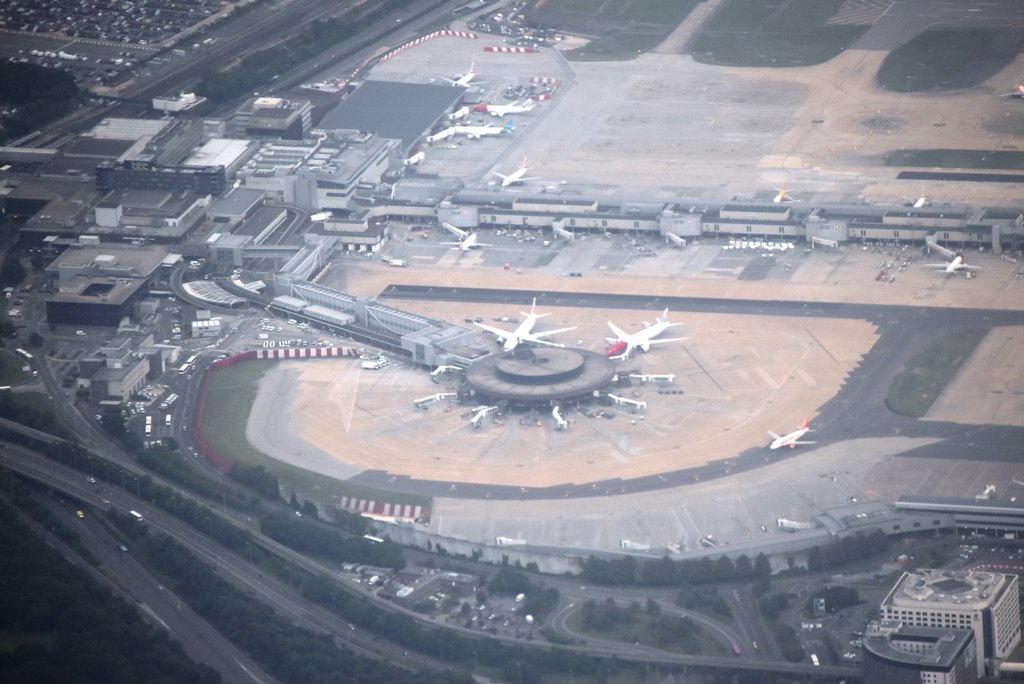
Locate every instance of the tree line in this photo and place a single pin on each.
(60, 625)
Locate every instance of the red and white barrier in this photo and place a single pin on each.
(423, 39)
(307, 353)
(501, 48)
(382, 509)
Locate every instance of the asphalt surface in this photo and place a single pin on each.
(859, 410)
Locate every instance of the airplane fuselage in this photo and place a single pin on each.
(789, 440)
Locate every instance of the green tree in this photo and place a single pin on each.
(11, 271)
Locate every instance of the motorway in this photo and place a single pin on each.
(131, 581)
(287, 601)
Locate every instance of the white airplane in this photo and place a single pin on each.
(782, 196)
(478, 415)
(623, 344)
(792, 439)
(514, 108)
(1018, 91)
(465, 79)
(956, 262)
(956, 265)
(516, 176)
(467, 240)
(920, 202)
(675, 239)
(477, 132)
(524, 332)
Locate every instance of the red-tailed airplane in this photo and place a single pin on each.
(623, 344)
(465, 79)
(514, 108)
(792, 439)
(956, 263)
(516, 177)
(467, 240)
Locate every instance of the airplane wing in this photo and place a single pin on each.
(618, 331)
(774, 436)
(537, 340)
(936, 267)
(503, 334)
(667, 339)
(536, 336)
(802, 442)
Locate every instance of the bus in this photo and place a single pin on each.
(23, 354)
(187, 366)
(167, 420)
(136, 515)
(149, 429)
(814, 660)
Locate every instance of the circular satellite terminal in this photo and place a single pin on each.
(539, 377)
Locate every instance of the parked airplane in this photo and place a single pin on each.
(675, 239)
(782, 196)
(467, 240)
(510, 339)
(623, 344)
(477, 132)
(514, 108)
(792, 439)
(465, 79)
(920, 202)
(956, 265)
(956, 262)
(516, 176)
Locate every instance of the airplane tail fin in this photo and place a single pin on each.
(508, 127)
(663, 318)
(803, 425)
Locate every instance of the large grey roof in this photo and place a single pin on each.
(403, 111)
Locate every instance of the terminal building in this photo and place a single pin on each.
(986, 603)
(94, 285)
(898, 653)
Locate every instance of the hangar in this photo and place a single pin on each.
(402, 111)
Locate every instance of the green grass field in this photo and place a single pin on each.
(11, 372)
(773, 33)
(619, 30)
(229, 399)
(652, 632)
(919, 384)
(956, 159)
